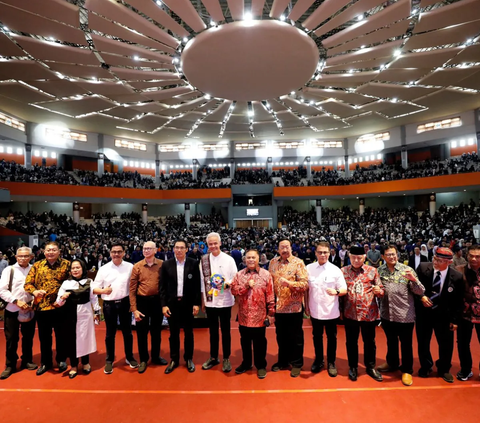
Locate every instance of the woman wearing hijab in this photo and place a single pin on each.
(424, 251)
(76, 295)
(264, 262)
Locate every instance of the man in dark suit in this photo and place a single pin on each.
(335, 258)
(416, 258)
(180, 297)
(439, 311)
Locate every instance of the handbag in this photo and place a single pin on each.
(3, 303)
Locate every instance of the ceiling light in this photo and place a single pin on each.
(247, 16)
(159, 2)
(292, 93)
(394, 100)
(135, 57)
(207, 96)
(185, 39)
(212, 23)
(397, 53)
(414, 11)
(282, 17)
(360, 17)
(362, 46)
(470, 41)
(250, 113)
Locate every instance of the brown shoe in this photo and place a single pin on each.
(407, 379)
(385, 368)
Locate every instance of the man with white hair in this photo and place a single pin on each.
(146, 306)
(11, 291)
(217, 271)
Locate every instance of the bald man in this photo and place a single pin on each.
(145, 305)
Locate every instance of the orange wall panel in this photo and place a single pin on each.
(17, 158)
(38, 161)
(142, 171)
(80, 164)
(458, 151)
(353, 166)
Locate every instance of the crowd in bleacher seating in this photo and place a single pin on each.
(185, 180)
(251, 176)
(344, 227)
(291, 177)
(13, 172)
(117, 180)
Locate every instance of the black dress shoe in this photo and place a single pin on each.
(352, 374)
(190, 366)
(160, 361)
(424, 373)
(62, 366)
(375, 374)
(7, 372)
(317, 367)
(42, 369)
(72, 374)
(171, 367)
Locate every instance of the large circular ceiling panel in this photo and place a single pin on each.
(246, 61)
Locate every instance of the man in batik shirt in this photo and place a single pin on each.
(253, 288)
(360, 312)
(290, 281)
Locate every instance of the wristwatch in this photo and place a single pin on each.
(14, 301)
(338, 291)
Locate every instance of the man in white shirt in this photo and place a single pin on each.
(325, 284)
(217, 302)
(113, 284)
(17, 301)
(3, 263)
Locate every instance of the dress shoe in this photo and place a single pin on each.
(278, 366)
(190, 366)
(332, 370)
(352, 374)
(142, 367)
(447, 377)
(226, 366)
(87, 369)
(62, 366)
(374, 374)
(407, 379)
(7, 372)
(242, 369)
(317, 367)
(42, 369)
(210, 363)
(295, 371)
(29, 366)
(384, 368)
(262, 373)
(424, 373)
(160, 361)
(463, 376)
(72, 374)
(171, 367)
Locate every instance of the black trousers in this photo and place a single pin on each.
(330, 327)
(181, 316)
(12, 327)
(114, 311)
(255, 337)
(403, 332)
(85, 360)
(289, 331)
(426, 324)
(464, 336)
(214, 315)
(352, 332)
(152, 322)
(48, 321)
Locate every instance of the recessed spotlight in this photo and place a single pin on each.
(247, 16)
(159, 2)
(360, 17)
(135, 57)
(292, 93)
(282, 17)
(185, 39)
(397, 53)
(212, 23)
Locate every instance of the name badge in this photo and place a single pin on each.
(450, 289)
(190, 276)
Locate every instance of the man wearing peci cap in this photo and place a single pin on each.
(439, 312)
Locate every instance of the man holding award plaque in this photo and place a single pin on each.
(217, 270)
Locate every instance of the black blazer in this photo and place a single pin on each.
(336, 261)
(411, 261)
(191, 282)
(451, 297)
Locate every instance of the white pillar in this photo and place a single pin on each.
(432, 205)
(404, 156)
(76, 212)
(361, 205)
(187, 214)
(319, 211)
(144, 213)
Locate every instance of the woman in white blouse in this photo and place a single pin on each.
(77, 296)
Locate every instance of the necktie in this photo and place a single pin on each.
(435, 298)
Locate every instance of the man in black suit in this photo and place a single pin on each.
(180, 297)
(416, 258)
(440, 311)
(335, 258)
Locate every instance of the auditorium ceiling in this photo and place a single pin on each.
(172, 70)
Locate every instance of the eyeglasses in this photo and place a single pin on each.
(322, 253)
(391, 255)
(52, 250)
(23, 257)
(440, 260)
(179, 248)
(117, 252)
(148, 248)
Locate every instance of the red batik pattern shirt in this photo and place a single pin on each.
(360, 303)
(253, 303)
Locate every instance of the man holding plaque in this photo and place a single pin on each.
(217, 270)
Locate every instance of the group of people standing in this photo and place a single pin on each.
(435, 298)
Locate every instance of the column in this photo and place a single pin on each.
(76, 212)
(144, 213)
(100, 155)
(347, 167)
(309, 167)
(274, 214)
(404, 156)
(361, 206)
(403, 142)
(100, 163)
(28, 156)
(269, 166)
(432, 205)
(232, 168)
(230, 214)
(187, 214)
(318, 209)
(157, 172)
(194, 169)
